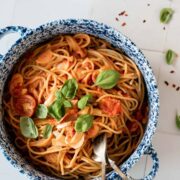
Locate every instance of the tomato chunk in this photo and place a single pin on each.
(24, 105)
(93, 131)
(111, 106)
(16, 85)
(44, 58)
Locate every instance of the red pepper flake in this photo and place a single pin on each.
(116, 19)
(126, 14)
(173, 85)
(178, 88)
(122, 13)
(172, 72)
(166, 83)
(144, 21)
(123, 24)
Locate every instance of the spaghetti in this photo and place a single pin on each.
(120, 112)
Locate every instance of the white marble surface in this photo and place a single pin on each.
(149, 36)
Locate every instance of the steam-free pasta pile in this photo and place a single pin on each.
(66, 92)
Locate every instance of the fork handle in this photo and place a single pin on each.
(121, 174)
(103, 167)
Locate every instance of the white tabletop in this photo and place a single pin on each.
(144, 28)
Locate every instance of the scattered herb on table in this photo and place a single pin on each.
(122, 13)
(123, 24)
(173, 85)
(170, 56)
(166, 15)
(178, 121)
(166, 83)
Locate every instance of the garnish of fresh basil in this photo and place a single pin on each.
(61, 98)
(47, 131)
(57, 110)
(83, 101)
(67, 104)
(69, 88)
(170, 56)
(166, 15)
(41, 111)
(107, 79)
(28, 128)
(84, 123)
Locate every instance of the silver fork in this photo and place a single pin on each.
(100, 155)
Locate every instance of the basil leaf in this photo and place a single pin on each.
(107, 79)
(56, 110)
(83, 101)
(67, 104)
(69, 88)
(28, 128)
(47, 131)
(41, 111)
(60, 96)
(166, 15)
(84, 123)
(170, 56)
(178, 121)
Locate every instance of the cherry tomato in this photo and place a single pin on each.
(111, 106)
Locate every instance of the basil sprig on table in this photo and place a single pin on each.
(28, 128)
(84, 123)
(84, 101)
(170, 56)
(166, 15)
(41, 111)
(178, 121)
(107, 79)
(47, 131)
(69, 88)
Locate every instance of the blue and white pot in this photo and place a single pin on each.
(29, 38)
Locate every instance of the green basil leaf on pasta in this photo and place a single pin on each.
(69, 88)
(60, 96)
(56, 110)
(107, 79)
(41, 111)
(28, 128)
(84, 123)
(170, 56)
(47, 131)
(67, 104)
(166, 15)
(84, 101)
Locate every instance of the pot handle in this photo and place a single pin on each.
(152, 152)
(13, 29)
